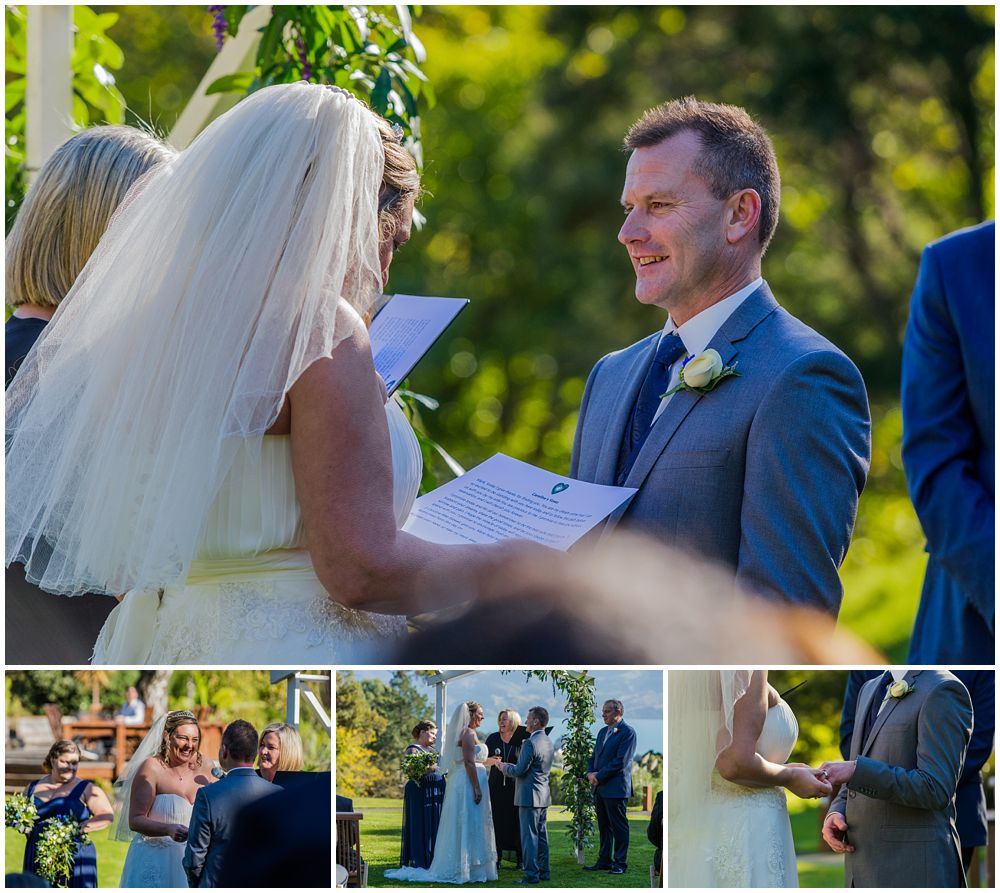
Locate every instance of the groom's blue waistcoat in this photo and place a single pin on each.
(763, 474)
(949, 449)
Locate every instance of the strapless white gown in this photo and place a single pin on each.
(753, 846)
(464, 850)
(251, 596)
(157, 861)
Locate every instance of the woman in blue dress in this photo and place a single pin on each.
(62, 793)
(422, 803)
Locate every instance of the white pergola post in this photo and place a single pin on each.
(237, 54)
(49, 92)
(297, 689)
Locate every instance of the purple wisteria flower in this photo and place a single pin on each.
(219, 24)
(307, 71)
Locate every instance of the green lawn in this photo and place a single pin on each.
(110, 856)
(380, 841)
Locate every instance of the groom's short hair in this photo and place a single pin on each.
(541, 714)
(618, 705)
(240, 739)
(736, 152)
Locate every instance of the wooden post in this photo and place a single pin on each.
(49, 92)
(119, 749)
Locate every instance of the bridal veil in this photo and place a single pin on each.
(224, 275)
(700, 707)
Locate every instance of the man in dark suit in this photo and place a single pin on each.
(217, 805)
(610, 774)
(970, 797)
(948, 445)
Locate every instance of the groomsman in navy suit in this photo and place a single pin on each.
(610, 773)
(948, 444)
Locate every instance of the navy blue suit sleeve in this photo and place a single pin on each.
(809, 449)
(981, 685)
(855, 680)
(941, 442)
(199, 838)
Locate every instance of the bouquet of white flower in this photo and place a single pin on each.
(61, 838)
(416, 765)
(20, 813)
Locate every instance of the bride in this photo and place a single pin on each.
(156, 797)
(464, 849)
(201, 426)
(730, 736)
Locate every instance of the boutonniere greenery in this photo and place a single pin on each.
(702, 373)
(899, 690)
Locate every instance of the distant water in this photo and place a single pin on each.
(648, 732)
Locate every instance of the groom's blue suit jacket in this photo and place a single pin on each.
(948, 444)
(612, 761)
(762, 474)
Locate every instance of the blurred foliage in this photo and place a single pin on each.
(96, 99)
(883, 121)
(371, 51)
(817, 706)
(229, 695)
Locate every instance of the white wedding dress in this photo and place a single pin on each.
(157, 861)
(251, 596)
(464, 849)
(746, 838)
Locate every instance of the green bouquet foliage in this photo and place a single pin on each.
(20, 813)
(60, 840)
(416, 765)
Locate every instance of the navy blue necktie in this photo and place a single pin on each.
(876, 703)
(670, 349)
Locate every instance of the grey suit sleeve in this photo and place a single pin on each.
(523, 762)
(808, 453)
(199, 838)
(574, 462)
(943, 730)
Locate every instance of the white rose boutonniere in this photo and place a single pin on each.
(703, 373)
(899, 690)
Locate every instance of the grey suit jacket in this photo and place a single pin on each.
(762, 474)
(531, 774)
(212, 820)
(900, 804)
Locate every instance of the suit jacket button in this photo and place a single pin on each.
(851, 794)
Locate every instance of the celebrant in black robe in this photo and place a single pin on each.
(506, 744)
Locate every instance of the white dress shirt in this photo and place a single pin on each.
(698, 332)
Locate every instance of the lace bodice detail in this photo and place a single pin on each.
(256, 509)
(481, 752)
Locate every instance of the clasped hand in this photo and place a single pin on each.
(808, 783)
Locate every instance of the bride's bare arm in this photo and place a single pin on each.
(143, 794)
(343, 477)
(741, 764)
(469, 759)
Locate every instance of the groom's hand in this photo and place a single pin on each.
(838, 772)
(835, 833)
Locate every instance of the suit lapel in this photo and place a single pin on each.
(883, 717)
(864, 705)
(754, 310)
(621, 411)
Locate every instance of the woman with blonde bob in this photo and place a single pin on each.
(280, 750)
(63, 217)
(228, 454)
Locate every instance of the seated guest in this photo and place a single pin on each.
(133, 711)
(64, 215)
(654, 831)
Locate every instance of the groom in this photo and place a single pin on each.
(532, 796)
(757, 462)
(894, 816)
(217, 805)
(609, 772)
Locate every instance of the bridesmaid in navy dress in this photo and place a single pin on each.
(421, 804)
(62, 793)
